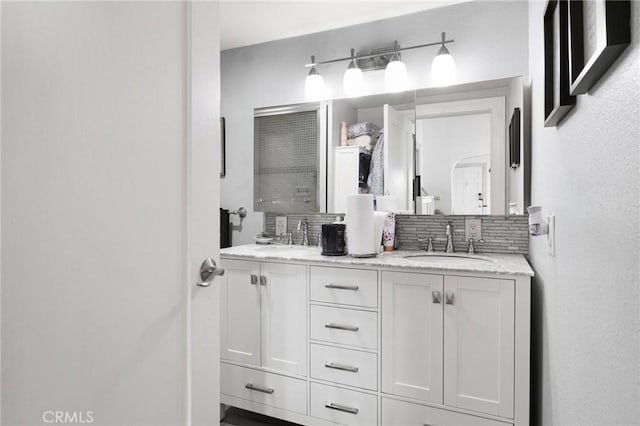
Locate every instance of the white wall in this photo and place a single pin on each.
(585, 171)
(490, 42)
(446, 141)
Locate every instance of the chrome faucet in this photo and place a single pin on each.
(429, 241)
(449, 234)
(304, 225)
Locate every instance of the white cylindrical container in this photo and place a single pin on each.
(360, 225)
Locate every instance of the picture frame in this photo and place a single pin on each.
(514, 139)
(558, 100)
(599, 31)
(223, 148)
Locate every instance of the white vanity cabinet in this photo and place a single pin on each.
(264, 315)
(449, 340)
(412, 329)
(372, 342)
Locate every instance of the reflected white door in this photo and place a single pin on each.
(467, 189)
(109, 205)
(398, 156)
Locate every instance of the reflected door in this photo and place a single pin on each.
(467, 189)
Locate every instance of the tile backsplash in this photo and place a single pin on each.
(501, 234)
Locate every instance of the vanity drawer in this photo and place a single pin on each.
(344, 326)
(264, 388)
(357, 287)
(401, 413)
(343, 406)
(345, 366)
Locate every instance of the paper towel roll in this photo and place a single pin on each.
(387, 203)
(360, 225)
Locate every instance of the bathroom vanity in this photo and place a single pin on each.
(393, 340)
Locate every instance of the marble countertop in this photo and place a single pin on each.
(494, 263)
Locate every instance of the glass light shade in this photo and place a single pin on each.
(443, 68)
(314, 86)
(353, 82)
(395, 76)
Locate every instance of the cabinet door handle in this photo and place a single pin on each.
(342, 287)
(342, 367)
(342, 327)
(449, 297)
(436, 297)
(263, 280)
(343, 408)
(256, 388)
(254, 279)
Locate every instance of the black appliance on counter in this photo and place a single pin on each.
(333, 239)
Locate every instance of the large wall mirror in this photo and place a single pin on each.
(457, 150)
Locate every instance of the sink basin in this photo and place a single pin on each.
(448, 257)
(278, 250)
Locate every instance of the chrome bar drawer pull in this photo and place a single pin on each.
(436, 297)
(342, 367)
(342, 327)
(343, 408)
(254, 279)
(263, 280)
(256, 388)
(450, 297)
(342, 287)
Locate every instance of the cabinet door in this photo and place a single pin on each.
(240, 305)
(284, 317)
(412, 335)
(479, 344)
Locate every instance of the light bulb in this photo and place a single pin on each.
(314, 85)
(395, 76)
(353, 82)
(443, 68)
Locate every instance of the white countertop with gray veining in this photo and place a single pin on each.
(493, 263)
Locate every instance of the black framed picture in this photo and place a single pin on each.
(223, 149)
(557, 99)
(514, 139)
(599, 30)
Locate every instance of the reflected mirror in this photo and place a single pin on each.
(453, 150)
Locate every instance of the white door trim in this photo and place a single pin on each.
(203, 220)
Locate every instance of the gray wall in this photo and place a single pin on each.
(273, 73)
(585, 171)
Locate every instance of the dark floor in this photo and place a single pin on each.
(237, 417)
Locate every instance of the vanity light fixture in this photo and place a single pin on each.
(314, 83)
(443, 69)
(395, 76)
(353, 80)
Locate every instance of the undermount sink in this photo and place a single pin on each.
(270, 248)
(448, 257)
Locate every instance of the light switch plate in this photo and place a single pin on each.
(472, 229)
(551, 236)
(281, 225)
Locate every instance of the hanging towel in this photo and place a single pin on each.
(376, 173)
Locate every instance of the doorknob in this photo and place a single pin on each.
(209, 270)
